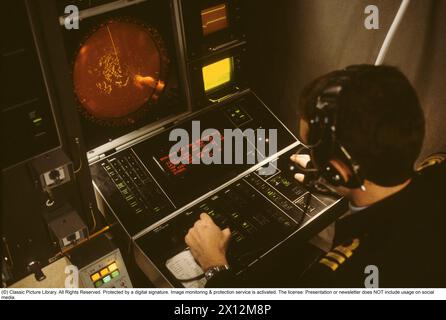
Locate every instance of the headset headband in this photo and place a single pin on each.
(323, 140)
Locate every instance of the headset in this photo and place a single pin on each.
(323, 141)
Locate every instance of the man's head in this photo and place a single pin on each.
(378, 119)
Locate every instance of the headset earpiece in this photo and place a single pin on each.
(323, 140)
(333, 176)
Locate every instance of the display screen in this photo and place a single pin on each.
(184, 181)
(214, 19)
(194, 151)
(119, 69)
(217, 160)
(124, 69)
(218, 73)
(191, 168)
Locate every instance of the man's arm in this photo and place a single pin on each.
(207, 243)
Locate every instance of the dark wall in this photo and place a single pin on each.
(294, 41)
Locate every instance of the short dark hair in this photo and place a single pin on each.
(380, 121)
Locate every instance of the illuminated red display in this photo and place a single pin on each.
(192, 150)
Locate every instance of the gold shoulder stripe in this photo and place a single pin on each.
(354, 245)
(332, 265)
(347, 251)
(336, 256)
(339, 255)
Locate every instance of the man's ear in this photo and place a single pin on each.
(342, 168)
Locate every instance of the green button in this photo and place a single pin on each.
(98, 283)
(106, 279)
(115, 273)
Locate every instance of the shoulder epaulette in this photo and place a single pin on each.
(339, 255)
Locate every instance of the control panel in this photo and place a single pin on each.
(100, 264)
(157, 201)
(261, 212)
(140, 185)
(107, 272)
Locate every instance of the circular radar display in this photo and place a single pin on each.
(119, 71)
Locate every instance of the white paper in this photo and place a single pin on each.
(183, 266)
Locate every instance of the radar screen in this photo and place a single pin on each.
(125, 68)
(120, 70)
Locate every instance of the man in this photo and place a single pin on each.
(394, 230)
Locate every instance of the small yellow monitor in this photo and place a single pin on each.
(217, 74)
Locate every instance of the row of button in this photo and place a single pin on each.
(106, 279)
(287, 186)
(274, 196)
(122, 182)
(240, 227)
(238, 115)
(104, 272)
(136, 187)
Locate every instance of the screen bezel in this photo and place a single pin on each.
(103, 138)
(202, 98)
(214, 8)
(198, 44)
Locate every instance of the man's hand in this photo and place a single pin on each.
(301, 160)
(207, 243)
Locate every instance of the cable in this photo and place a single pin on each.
(391, 33)
(308, 198)
(79, 155)
(93, 218)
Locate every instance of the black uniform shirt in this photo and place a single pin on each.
(397, 242)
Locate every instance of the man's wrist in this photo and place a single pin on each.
(211, 272)
(215, 263)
